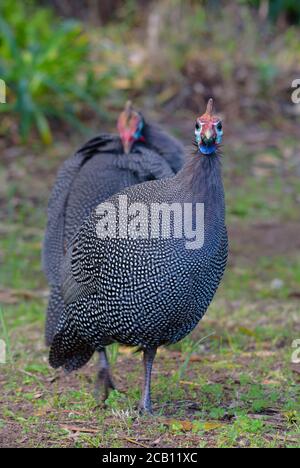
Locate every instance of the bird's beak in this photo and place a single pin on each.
(208, 134)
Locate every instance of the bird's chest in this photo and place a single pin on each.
(133, 277)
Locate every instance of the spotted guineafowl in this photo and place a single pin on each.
(102, 167)
(146, 282)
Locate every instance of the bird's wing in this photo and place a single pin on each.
(166, 145)
(89, 256)
(78, 266)
(53, 247)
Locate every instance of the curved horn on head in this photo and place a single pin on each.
(210, 106)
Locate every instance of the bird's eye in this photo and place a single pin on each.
(197, 126)
(219, 126)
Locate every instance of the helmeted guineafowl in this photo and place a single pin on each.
(143, 283)
(102, 167)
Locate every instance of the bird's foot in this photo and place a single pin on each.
(145, 408)
(104, 384)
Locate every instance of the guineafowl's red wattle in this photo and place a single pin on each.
(98, 170)
(148, 291)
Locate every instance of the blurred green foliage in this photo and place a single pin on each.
(276, 8)
(45, 64)
(195, 52)
(169, 52)
(105, 11)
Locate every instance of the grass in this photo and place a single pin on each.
(229, 384)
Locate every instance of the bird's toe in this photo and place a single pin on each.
(145, 410)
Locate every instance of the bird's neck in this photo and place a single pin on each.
(200, 181)
(201, 178)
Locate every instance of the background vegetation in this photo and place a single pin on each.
(69, 66)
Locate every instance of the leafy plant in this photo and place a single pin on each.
(192, 348)
(45, 66)
(113, 352)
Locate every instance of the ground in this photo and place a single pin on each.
(231, 383)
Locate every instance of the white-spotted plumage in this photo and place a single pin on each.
(145, 292)
(97, 171)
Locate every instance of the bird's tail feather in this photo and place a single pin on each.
(69, 350)
(54, 312)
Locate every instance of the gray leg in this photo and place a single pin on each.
(145, 404)
(103, 377)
